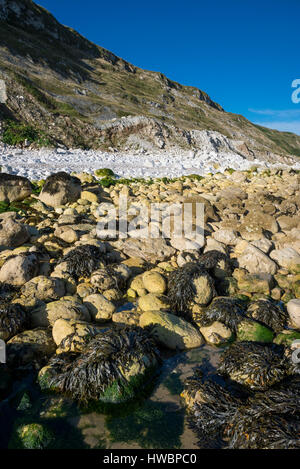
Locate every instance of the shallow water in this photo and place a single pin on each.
(156, 421)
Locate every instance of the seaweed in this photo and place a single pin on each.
(12, 319)
(53, 182)
(229, 311)
(254, 364)
(267, 313)
(181, 291)
(89, 375)
(83, 260)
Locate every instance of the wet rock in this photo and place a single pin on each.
(253, 331)
(31, 436)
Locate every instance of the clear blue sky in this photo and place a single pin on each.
(243, 53)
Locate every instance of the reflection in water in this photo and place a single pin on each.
(156, 420)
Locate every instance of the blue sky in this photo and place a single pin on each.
(244, 54)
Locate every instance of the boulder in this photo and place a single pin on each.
(293, 307)
(60, 189)
(65, 308)
(44, 288)
(253, 331)
(71, 335)
(171, 331)
(216, 334)
(154, 282)
(101, 309)
(256, 261)
(17, 270)
(14, 188)
(12, 232)
(152, 302)
(287, 258)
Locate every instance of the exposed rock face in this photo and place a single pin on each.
(96, 115)
(60, 189)
(14, 188)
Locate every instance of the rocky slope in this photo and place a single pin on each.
(81, 95)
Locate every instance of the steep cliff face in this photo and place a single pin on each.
(71, 89)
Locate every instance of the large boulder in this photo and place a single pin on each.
(12, 233)
(14, 188)
(256, 261)
(171, 331)
(17, 270)
(60, 189)
(44, 289)
(287, 258)
(65, 308)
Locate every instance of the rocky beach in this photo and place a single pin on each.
(92, 323)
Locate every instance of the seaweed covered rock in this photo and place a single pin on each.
(269, 420)
(31, 436)
(268, 313)
(71, 335)
(12, 232)
(189, 285)
(228, 311)
(43, 288)
(249, 330)
(12, 320)
(112, 368)
(14, 188)
(211, 406)
(81, 261)
(225, 415)
(254, 365)
(60, 189)
(171, 331)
